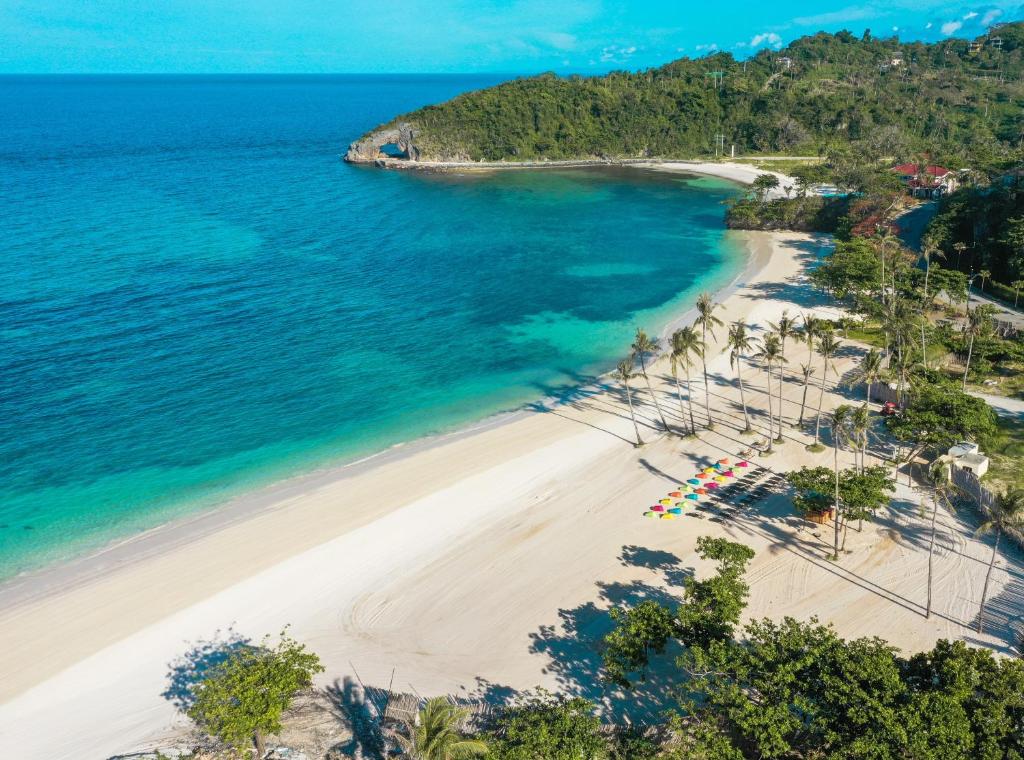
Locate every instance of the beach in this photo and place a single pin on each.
(482, 562)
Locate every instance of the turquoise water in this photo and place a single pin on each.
(197, 297)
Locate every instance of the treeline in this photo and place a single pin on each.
(982, 229)
(821, 90)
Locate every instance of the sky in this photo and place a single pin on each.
(439, 36)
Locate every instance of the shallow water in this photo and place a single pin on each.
(197, 297)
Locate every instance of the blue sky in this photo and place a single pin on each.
(516, 36)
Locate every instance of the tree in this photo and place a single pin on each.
(939, 473)
(685, 345)
(869, 372)
(1006, 512)
(983, 275)
(548, 726)
(708, 322)
(850, 272)
(638, 632)
(827, 348)
(624, 372)
(806, 370)
(785, 328)
(840, 416)
(644, 346)
(770, 354)
(712, 607)
(1016, 285)
(242, 700)
(763, 184)
(435, 734)
(860, 426)
(739, 344)
(979, 323)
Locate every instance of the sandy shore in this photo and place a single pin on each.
(478, 565)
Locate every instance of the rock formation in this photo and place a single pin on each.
(368, 149)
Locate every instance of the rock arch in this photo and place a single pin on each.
(368, 149)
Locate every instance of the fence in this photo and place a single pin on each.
(971, 486)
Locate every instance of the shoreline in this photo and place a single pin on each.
(483, 563)
(61, 574)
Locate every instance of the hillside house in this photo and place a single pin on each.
(926, 181)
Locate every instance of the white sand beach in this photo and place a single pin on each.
(482, 563)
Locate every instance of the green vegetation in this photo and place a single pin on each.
(840, 90)
(812, 214)
(548, 726)
(243, 699)
(435, 734)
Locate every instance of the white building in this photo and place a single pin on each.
(966, 456)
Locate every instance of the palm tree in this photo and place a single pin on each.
(806, 370)
(860, 424)
(785, 328)
(708, 321)
(870, 371)
(959, 247)
(928, 251)
(779, 362)
(624, 372)
(685, 345)
(939, 474)
(827, 347)
(435, 734)
(739, 344)
(840, 416)
(1006, 512)
(883, 236)
(977, 321)
(643, 345)
(771, 351)
(984, 274)
(1016, 285)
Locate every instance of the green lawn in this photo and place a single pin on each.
(1005, 452)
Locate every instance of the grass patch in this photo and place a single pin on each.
(1006, 456)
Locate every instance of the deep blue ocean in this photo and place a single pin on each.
(198, 297)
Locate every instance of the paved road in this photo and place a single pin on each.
(1004, 406)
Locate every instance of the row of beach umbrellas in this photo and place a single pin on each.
(701, 484)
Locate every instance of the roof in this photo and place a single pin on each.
(971, 459)
(931, 170)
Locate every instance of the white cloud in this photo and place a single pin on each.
(991, 16)
(950, 27)
(557, 40)
(929, 25)
(709, 48)
(969, 16)
(617, 53)
(768, 38)
(895, 28)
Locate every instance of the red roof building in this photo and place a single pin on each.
(928, 181)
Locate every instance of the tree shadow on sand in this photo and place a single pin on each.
(188, 670)
(574, 645)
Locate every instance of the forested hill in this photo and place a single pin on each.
(951, 100)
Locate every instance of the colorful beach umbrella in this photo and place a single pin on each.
(702, 475)
(693, 482)
(666, 502)
(657, 508)
(675, 511)
(742, 464)
(692, 496)
(702, 491)
(719, 478)
(675, 494)
(667, 516)
(709, 470)
(680, 503)
(712, 485)
(729, 474)
(648, 514)
(723, 461)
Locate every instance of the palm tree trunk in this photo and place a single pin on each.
(931, 551)
(632, 414)
(988, 575)
(924, 347)
(868, 394)
(970, 350)
(743, 398)
(258, 742)
(780, 404)
(803, 402)
(835, 514)
(689, 401)
(927, 271)
(821, 398)
(704, 362)
(771, 422)
(679, 394)
(657, 406)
